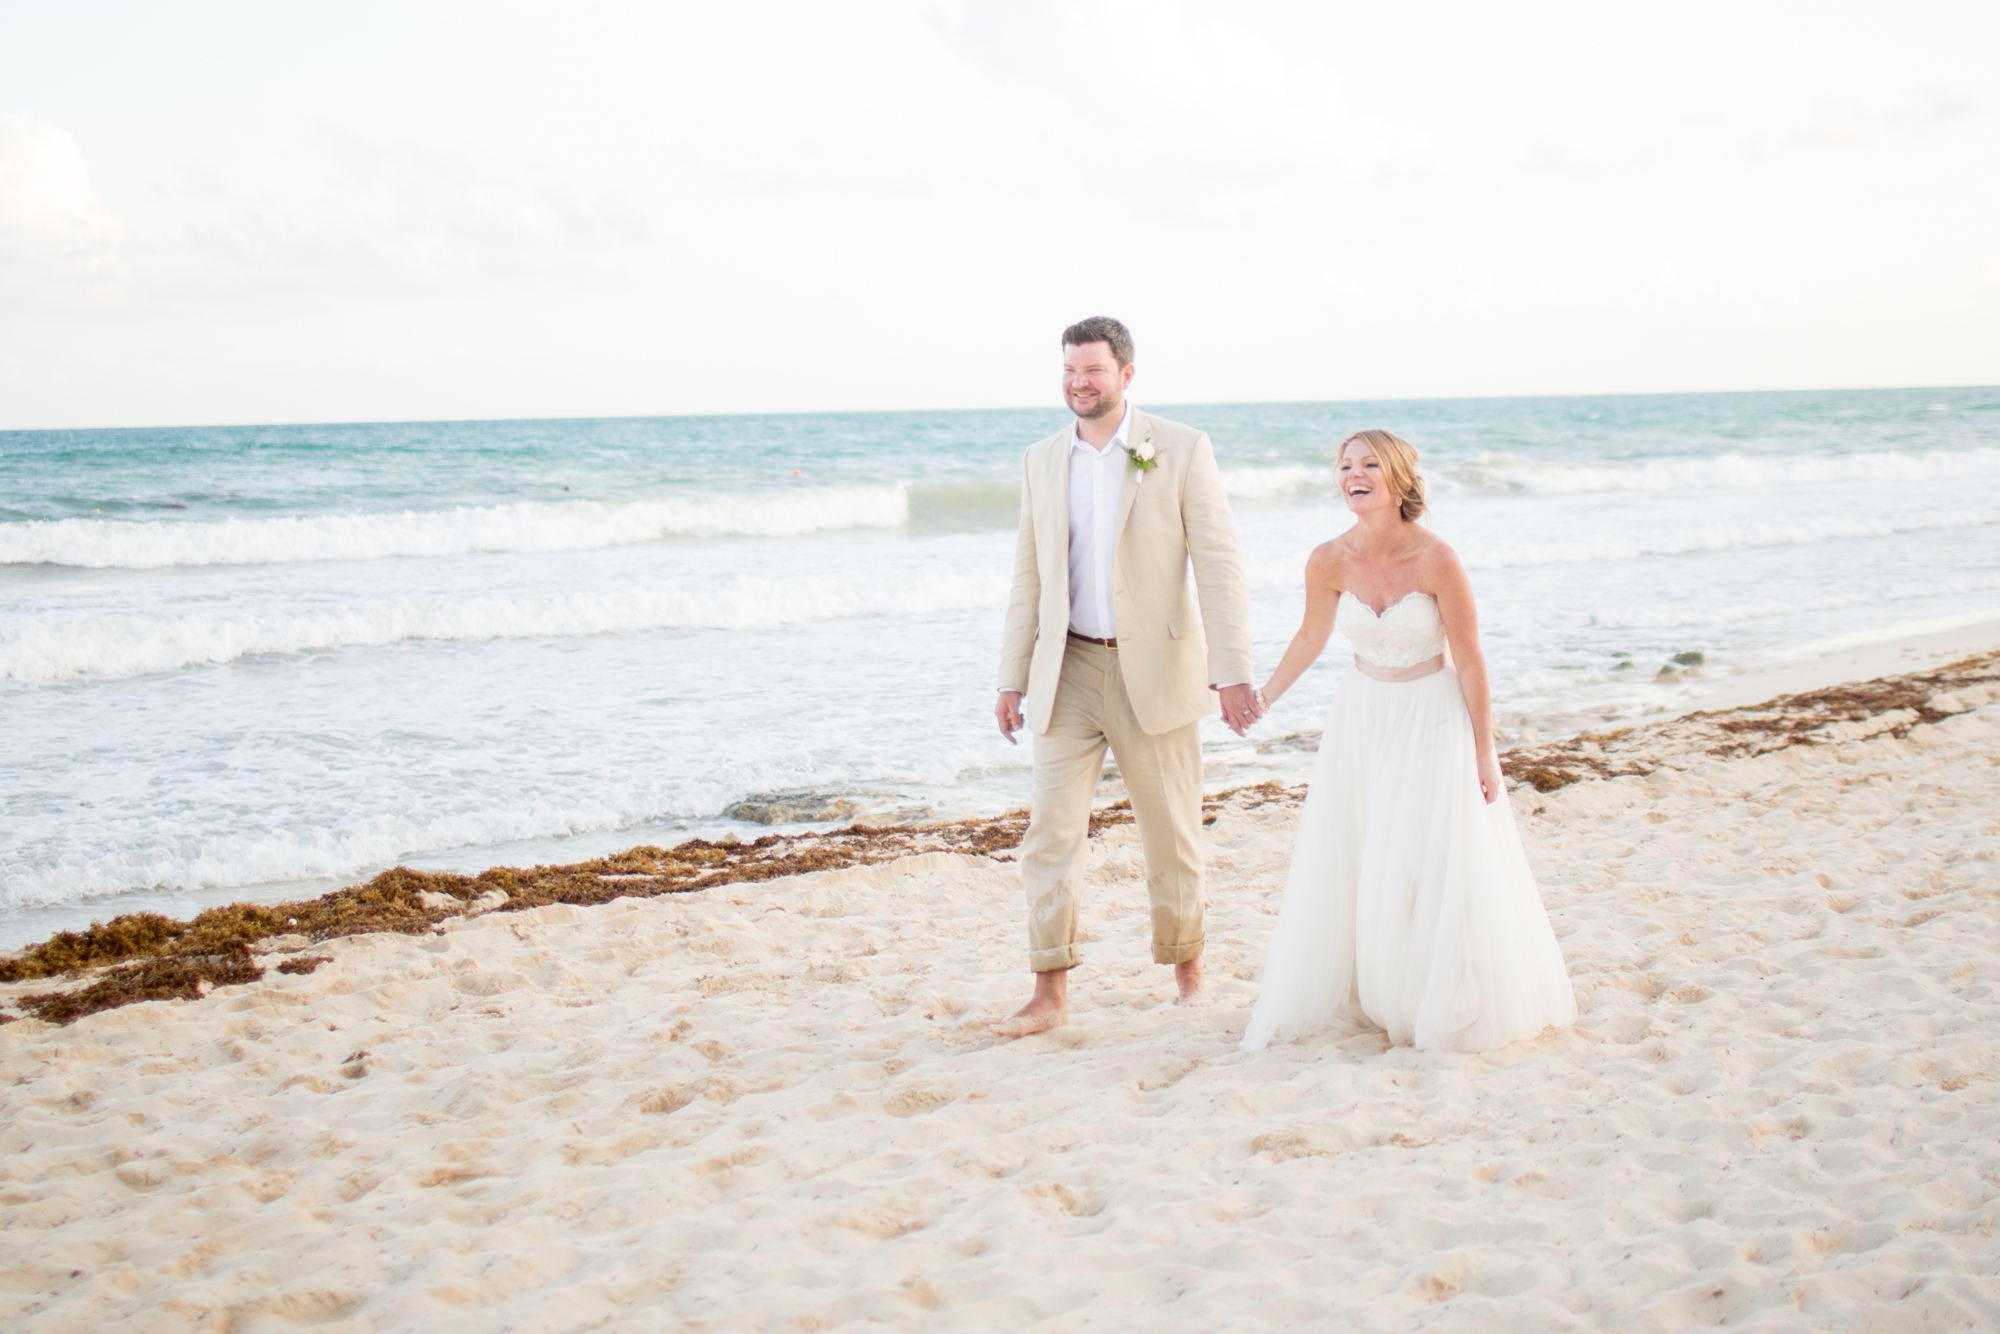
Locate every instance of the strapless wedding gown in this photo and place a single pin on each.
(1409, 906)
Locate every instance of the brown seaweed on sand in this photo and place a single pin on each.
(169, 977)
(1888, 706)
(146, 956)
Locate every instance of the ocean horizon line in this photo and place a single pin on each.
(1165, 405)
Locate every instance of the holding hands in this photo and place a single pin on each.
(1240, 707)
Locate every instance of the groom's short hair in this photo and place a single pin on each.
(1101, 329)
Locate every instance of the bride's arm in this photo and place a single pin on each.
(1322, 600)
(1461, 630)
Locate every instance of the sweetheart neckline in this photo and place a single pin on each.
(1378, 615)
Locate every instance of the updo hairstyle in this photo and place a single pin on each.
(1398, 458)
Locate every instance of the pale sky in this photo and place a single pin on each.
(279, 212)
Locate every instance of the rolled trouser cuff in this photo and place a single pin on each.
(1059, 958)
(1177, 953)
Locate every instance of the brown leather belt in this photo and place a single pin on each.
(1093, 639)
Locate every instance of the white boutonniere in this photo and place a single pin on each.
(1142, 457)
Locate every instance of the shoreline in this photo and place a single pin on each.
(135, 958)
(1902, 648)
(1899, 648)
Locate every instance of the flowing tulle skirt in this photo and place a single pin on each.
(1409, 906)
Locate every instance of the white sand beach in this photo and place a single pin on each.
(774, 1107)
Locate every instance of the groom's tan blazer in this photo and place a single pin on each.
(1169, 651)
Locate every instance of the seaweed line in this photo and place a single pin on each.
(147, 956)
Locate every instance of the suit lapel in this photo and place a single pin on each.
(1128, 484)
(1055, 485)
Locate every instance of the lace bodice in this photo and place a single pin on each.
(1407, 635)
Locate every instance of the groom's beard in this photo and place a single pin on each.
(1104, 407)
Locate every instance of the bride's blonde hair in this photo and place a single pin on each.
(1398, 458)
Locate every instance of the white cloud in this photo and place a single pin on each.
(328, 211)
(1217, 123)
(51, 220)
(1852, 120)
(1588, 155)
(337, 211)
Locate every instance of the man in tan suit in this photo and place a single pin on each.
(1105, 645)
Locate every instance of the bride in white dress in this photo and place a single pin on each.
(1409, 906)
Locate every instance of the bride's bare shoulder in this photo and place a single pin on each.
(1433, 547)
(1438, 563)
(1323, 565)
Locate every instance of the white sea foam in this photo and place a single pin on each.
(1510, 473)
(55, 648)
(170, 860)
(1724, 613)
(1606, 546)
(1277, 483)
(1603, 546)
(562, 526)
(1497, 473)
(172, 849)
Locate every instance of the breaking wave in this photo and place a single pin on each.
(1502, 474)
(1720, 537)
(1280, 483)
(1499, 473)
(52, 649)
(565, 526)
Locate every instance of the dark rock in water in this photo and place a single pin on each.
(790, 808)
(1694, 657)
(1668, 675)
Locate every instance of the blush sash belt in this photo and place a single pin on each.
(1380, 673)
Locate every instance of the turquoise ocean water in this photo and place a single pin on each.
(260, 661)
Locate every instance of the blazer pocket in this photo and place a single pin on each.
(1177, 628)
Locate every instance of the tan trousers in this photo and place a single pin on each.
(1163, 775)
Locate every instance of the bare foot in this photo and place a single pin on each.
(1193, 990)
(1032, 1018)
(1048, 1009)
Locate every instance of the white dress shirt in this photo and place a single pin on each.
(1095, 476)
